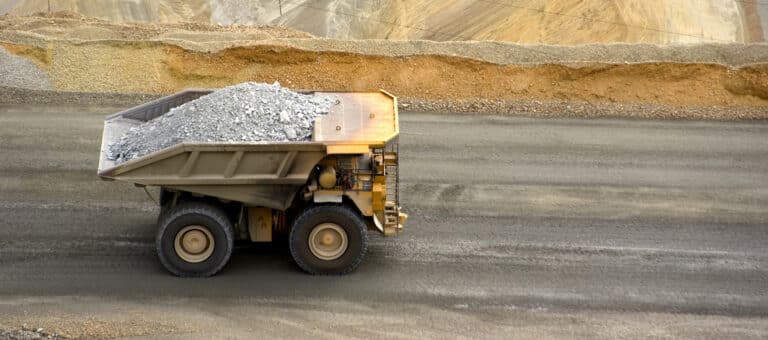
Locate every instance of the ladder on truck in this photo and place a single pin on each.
(389, 160)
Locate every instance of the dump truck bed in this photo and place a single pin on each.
(256, 173)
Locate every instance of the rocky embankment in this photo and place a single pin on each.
(80, 55)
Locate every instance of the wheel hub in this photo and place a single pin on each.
(328, 241)
(194, 243)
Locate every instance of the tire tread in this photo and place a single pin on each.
(199, 208)
(341, 210)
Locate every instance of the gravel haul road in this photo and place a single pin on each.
(519, 228)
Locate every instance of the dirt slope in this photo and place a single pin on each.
(167, 58)
(524, 21)
(571, 21)
(166, 11)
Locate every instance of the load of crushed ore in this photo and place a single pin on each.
(247, 112)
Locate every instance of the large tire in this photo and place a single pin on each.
(194, 239)
(332, 220)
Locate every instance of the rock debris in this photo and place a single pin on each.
(247, 112)
(19, 72)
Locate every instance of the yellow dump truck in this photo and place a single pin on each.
(324, 194)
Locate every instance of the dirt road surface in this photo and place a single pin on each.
(520, 228)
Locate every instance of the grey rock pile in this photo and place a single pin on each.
(26, 334)
(247, 112)
(19, 72)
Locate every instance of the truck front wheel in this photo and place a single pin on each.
(328, 240)
(194, 239)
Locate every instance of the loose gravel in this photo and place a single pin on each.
(582, 109)
(524, 108)
(236, 12)
(248, 112)
(20, 72)
(26, 333)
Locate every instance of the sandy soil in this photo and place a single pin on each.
(524, 21)
(71, 25)
(574, 21)
(77, 53)
(165, 11)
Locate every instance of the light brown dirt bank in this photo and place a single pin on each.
(156, 59)
(153, 67)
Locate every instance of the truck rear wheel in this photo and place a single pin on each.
(194, 239)
(328, 240)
